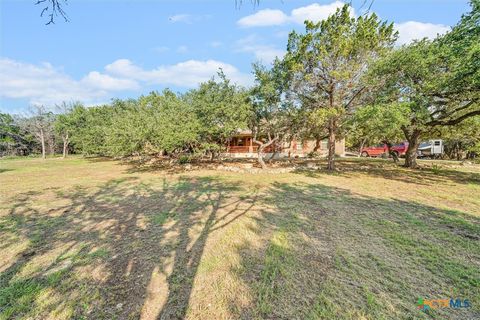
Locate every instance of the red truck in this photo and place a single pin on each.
(381, 149)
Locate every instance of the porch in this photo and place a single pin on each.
(245, 144)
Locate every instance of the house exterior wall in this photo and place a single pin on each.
(242, 146)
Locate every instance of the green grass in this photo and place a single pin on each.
(92, 238)
(276, 267)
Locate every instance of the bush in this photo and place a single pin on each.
(184, 159)
(313, 154)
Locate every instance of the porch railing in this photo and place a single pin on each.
(246, 149)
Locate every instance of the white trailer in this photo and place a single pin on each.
(431, 148)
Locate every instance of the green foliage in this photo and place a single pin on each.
(221, 109)
(436, 169)
(272, 114)
(159, 123)
(328, 64)
(440, 79)
(8, 132)
(333, 54)
(462, 139)
(373, 124)
(91, 124)
(153, 124)
(66, 122)
(7, 124)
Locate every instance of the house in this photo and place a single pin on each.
(242, 146)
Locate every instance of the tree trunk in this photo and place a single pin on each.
(318, 143)
(261, 147)
(331, 145)
(260, 156)
(413, 139)
(65, 146)
(42, 140)
(361, 147)
(51, 145)
(390, 152)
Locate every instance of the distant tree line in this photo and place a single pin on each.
(342, 77)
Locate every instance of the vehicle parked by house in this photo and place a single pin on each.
(382, 149)
(431, 148)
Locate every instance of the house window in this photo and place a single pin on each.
(299, 146)
(240, 142)
(324, 144)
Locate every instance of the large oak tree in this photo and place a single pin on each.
(439, 80)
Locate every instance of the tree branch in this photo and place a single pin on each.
(54, 8)
(354, 96)
(453, 122)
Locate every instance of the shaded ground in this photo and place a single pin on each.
(99, 240)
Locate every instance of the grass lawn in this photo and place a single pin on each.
(97, 239)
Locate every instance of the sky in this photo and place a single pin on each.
(122, 49)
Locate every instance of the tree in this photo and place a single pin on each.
(330, 60)
(12, 142)
(40, 125)
(373, 124)
(129, 130)
(462, 140)
(154, 124)
(221, 109)
(438, 80)
(91, 126)
(271, 117)
(171, 127)
(66, 123)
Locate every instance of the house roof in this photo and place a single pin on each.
(244, 132)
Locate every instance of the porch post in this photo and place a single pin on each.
(250, 147)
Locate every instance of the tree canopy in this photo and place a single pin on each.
(329, 61)
(438, 80)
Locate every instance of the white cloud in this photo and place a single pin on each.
(411, 30)
(266, 17)
(263, 52)
(316, 12)
(185, 18)
(185, 74)
(45, 84)
(270, 17)
(101, 81)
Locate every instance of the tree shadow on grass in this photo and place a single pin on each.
(166, 165)
(334, 254)
(127, 250)
(425, 175)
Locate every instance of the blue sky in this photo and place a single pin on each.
(128, 48)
